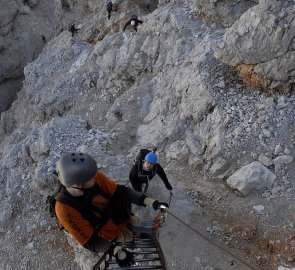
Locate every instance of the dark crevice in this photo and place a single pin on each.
(211, 109)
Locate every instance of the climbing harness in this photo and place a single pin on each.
(146, 185)
(145, 247)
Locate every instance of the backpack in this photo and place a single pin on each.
(50, 204)
(141, 155)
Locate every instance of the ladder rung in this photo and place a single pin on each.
(113, 261)
(147, 240)
(140, 260)
(144, 252)
(149, 267)
(151, 239)
(151, 245)
(147, 237)
(148, 260)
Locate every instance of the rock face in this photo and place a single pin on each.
(109, 93)
(263, 37)
(22, 25)
(222, 12)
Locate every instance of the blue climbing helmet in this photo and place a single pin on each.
(151, 157)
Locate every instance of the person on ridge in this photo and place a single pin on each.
(109, 9)
(73, 30)
(144, 171)
(133, 22)
(94, 209)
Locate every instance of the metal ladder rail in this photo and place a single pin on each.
(148, 246)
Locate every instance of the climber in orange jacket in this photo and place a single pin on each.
(94, 209)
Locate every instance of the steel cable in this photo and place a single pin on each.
(210, 241)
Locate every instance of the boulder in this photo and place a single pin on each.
(253, 176)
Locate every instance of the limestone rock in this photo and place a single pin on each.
(253, 176)
(222, 12)
(21, 41)
(282, 160)
(270, 24)
(266, 161)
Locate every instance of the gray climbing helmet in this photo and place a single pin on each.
(74, 168)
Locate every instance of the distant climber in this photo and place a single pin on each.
(73, 30)
(109, 9)
(145, 169)
(43, 39)
(133, 22)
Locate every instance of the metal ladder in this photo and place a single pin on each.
(145, 248)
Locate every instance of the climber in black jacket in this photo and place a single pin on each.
(142, 172)
(134, 22)
(109, 9)
(73, 29)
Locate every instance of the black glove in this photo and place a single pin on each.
(124, 258)
(157, 204)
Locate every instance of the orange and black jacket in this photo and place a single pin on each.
(100, 214)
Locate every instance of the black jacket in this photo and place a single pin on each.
(139, 176)
(136, 23)
(109, 7)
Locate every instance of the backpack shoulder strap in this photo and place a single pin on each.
(140, 168)
(155, 169)
(63, 198)
(85, 209)
(51, 199)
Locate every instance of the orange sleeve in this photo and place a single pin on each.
(73, 222)
(107, 185)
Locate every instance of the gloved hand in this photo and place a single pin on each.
(157, 204)
(124, 258)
